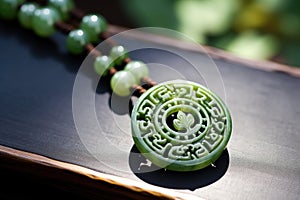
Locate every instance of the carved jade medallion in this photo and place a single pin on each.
(181, 125)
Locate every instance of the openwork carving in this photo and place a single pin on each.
(181, 125)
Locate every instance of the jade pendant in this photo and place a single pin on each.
(181, 125)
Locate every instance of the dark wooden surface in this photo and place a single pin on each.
(39, 113)
(30, 176)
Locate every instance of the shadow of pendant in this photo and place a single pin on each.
(192, 180)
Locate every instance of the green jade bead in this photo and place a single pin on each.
(76, 41)
(121, 82)
(138, 69)
(62, 6)
(180, 125)
(93, 25)
(9, 8)
(102, 64)
(43, 21)
(25, 14)
(118, 54)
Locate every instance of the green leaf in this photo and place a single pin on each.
(183, 121)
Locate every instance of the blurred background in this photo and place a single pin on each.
(255, 29)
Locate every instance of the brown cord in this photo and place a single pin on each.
(91, 49)
(106, 36)
(126, 61)
(40, 2)
(77, 13)
(112, 71)
(137, 90)
(64, 27)
(147, 83)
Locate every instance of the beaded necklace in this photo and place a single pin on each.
(178, 125)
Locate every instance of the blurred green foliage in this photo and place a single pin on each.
(256, 29)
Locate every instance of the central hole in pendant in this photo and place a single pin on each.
(170, 121)
(182, 121)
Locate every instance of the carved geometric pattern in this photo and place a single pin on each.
(181, 125)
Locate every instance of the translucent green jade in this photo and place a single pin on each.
(180, 125)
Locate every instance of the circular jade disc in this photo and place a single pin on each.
(180, 125)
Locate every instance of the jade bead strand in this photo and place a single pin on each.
(94, 25)
(55, 11)
(41, 20)
(30, 15)
(63, 7)
(44, 21)
(76, 41)
(91, 26)
(104, 63)
(138, 69)
(9, 8)
(26, 13)
(128, 81)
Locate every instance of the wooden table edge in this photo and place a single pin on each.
(85, 180)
